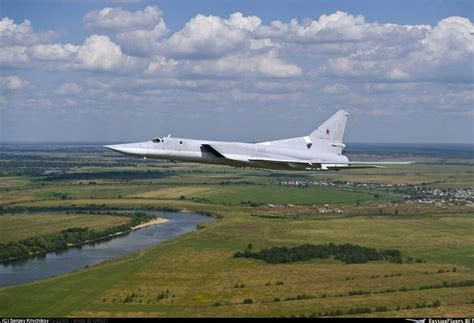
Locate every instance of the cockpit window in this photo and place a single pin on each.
(156, 140)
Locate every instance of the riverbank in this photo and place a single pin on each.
(117, 234)
(151, 222)
(127, 229)
(156, 230)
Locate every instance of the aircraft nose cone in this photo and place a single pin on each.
(118, 148)
(124, 149)
(134, 149)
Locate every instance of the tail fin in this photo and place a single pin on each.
(333, 128)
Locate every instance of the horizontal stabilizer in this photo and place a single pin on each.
(316, 164)
(378, 163)
(342, 166)
(361, 165)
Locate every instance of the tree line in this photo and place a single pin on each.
(122, 175)
(348, 253)
(65, 238)
(88, 208)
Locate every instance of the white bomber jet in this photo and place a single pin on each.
(319, 151)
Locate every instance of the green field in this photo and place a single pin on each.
(196, 273)
(259, 194)
(200, 271)
(18, 227)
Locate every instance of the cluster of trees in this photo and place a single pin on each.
(359, 310)
(299, 297)
(89, 208)
(223, 183)
(366, 310)
(122, 175)
(92, 208)
(36, 165)
(130, 297)
(446, 284)
(277, 283)
(251, 203)
(160, 208)
(13, 169)
(164, 295)
(418, 260)
(62, 196)
(347, 253)
(436, 303)
(358, 292)
(61, 240)
(139, 297)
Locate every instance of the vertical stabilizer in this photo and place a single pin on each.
(333, 129)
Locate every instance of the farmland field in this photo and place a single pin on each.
(259, 194)
(196, 274)
(18, 227)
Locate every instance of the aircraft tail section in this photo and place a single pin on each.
(333, 129)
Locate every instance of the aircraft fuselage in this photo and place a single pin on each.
(229, 153)
(321, 150)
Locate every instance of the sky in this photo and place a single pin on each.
(125, 71)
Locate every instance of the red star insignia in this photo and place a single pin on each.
(328, 131)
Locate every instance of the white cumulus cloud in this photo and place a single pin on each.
(205, 37)
(99, 53)
(13, 56)
(138, 32)
(53, 52)
(20, 34)
(312, 64)
(119, 20)
(249, 23)
(337, 27)
(162, 66)
(444, 54)
(267, 65)
(142, 42)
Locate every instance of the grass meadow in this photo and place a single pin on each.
(196, 274)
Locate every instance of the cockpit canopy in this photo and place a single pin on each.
(158, 139)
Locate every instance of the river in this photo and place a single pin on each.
(63, 261)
